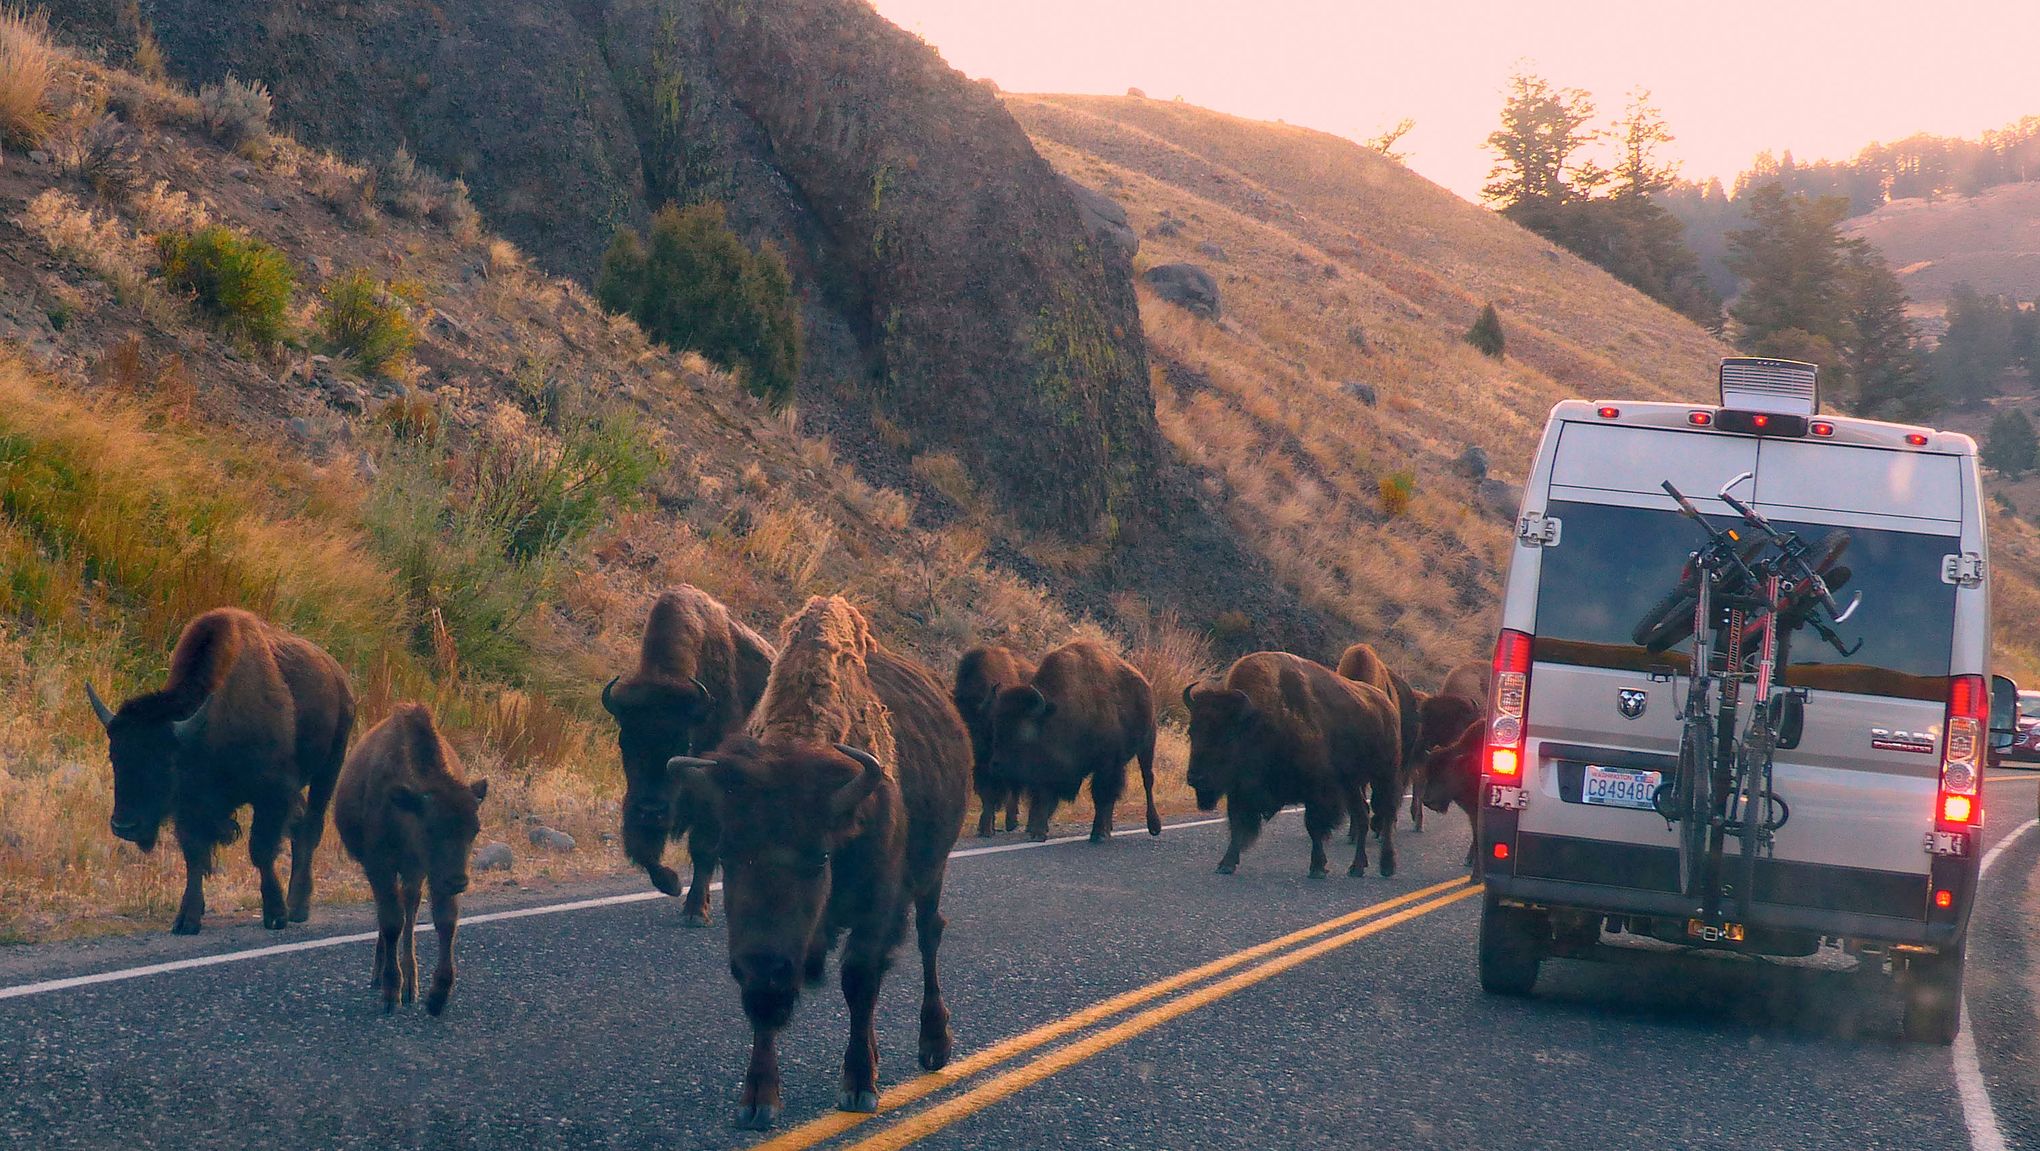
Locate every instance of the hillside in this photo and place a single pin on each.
(1991, 240)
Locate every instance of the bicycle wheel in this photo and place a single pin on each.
(1669, 622)
(1750, 823)
(1696, 757)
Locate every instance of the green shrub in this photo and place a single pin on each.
(237, 281)
(1486, 333)
(693, 284)
(364, 318)
(1397, 490)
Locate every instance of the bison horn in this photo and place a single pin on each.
(688, 763)
(707, 696)
(99, 707)
(608, 704)
(191, 727)
(862, 756)
(1187, 689)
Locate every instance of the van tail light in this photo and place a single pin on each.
(1511, 698)
(1959, 805)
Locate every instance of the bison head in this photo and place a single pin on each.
(145, 739)
(1220, 725)
(1452, 772)
(1019, 717)
(785, 810)
(654, 723)
(450, 814)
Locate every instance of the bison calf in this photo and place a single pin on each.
(1362, 664)
(699, 674)
(1281, 730)
(404, 813)
(980, 675)
(251, 716)
(1452, 775)
(1082, 715)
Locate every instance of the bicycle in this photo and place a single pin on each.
(1731, 592)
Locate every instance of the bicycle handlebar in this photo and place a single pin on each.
(1794, 553)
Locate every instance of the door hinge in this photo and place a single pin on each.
(1538, 531)
(1965, 570)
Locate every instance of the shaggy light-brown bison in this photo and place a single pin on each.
(838, 807)
(251, 716)
(408, 818)
(699, 674)
(1082, 715)
(1281, 730)
(980, 675)
(1362, 664)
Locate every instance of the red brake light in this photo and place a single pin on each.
(1962, 739)
(1957, 809)
(1916, 439)
(1700, 419)
(1822, 428)
(1944, 898)
(1609, 413)
(1511, 699)
(1501, 850)
(1760, 420)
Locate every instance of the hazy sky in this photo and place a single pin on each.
(1733, 77)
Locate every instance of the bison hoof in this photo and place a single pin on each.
(436, 1002)
(1319, 872)
(300, 914)
(1228, 868)
(274, 922)
(389, 1005)
(1037, 837)
(863, 1102)
(1357, 870)
(694, 919)
(185, 925)
(760, 1117)
(1101, 837)
(667, 881)
(1012, 825)
(935, 1052)
(1387, 868)
(1154, 825)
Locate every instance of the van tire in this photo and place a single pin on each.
(1512, 945)
(1933, 998)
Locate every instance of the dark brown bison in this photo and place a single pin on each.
(405, 814)
(1082, 715)
(838, 807)
(980, 674)
(1281, 730)
(253, 716)
(1362, 664)
(699, 674)
(1469, 679)
(1452, 775)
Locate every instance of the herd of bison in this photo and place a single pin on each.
(828, 778)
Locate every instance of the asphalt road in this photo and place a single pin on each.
(615, 1027)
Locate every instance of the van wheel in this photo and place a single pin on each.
(1511, 948)
(1933, 998)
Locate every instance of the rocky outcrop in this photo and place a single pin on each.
(1104, 218)
(1187, 286)
(948, 275)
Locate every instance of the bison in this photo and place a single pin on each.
(838, 806)
(1361, 664)
(1282, 730)
(980, 675)
(699, 674)
(1452, 775)
(1469, 679)
(1082, 715)
(408, 818)
(250, 716)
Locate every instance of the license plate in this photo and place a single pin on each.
(1619, 787)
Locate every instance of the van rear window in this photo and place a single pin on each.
(1614, 564)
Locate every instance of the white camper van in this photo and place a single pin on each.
(1814, 779)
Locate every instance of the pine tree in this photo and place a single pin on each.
(1790, 262)
(1542, 129)
(1882, 352)
(1977, 347)
(1486, 333)
(1642, 132)
(2010, 447)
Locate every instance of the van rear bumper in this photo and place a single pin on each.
(1599, 898)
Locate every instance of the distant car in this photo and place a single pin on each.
(2026, 745)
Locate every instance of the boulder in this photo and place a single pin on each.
(1166, 227)
(1472, 462)
(551, 839)
(1212, 250)
(1363, 392)
(1104, 219)
(1498, 499)
(1187, 286)
(492, 857)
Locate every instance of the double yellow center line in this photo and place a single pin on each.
(1329, 937)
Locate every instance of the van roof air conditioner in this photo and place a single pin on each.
(1754, 384)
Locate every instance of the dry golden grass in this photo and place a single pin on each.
(28, 66)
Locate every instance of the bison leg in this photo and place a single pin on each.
(644, 843)
(305, 835)
(862, 975)
(758, 1109)
(197, 865)
(936, 1040)
(1245, 827)
(265, 840)
(1320, 820)
(1013, 809)
(703, 847)
(407, 945)
(988, 806)
(1106, 788)
(1040, 808)
(389, 932)
(445, 923)
(1387, 804)
(1147, 781)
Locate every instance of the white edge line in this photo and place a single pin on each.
(1977, 1112)
(47, 986)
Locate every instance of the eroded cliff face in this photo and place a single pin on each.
(949, 280)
